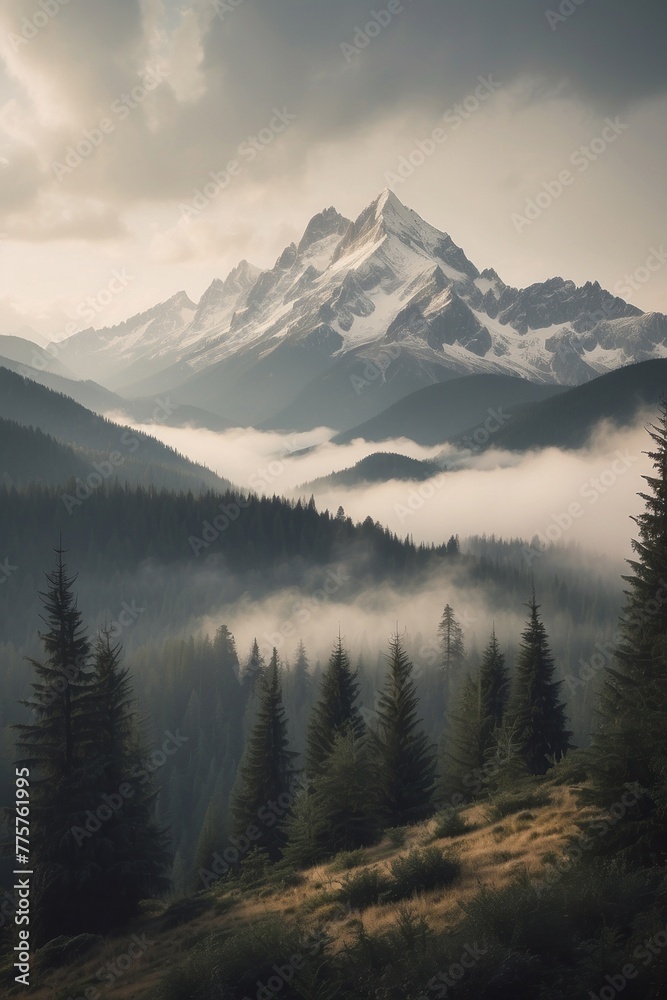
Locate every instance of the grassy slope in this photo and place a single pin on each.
(491, 855)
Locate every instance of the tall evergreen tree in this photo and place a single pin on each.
(493, 692)
(134, 855)
(535, 712)
(335, 712)
(340, 812)
(55, 747)
(470, 739)
(405, 759)
(628, 755)
(264, 794)
(453, 651)
(462, 753)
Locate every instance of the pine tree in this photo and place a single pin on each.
(535, 712)
(453, 651)
(335, 711)
(134, 854)
(493, 692)
(340, 812)
(628, 754)
(96, 852)
(55, 747)
(462, 753)
(301, 678)
(265, 790)
(405, 759)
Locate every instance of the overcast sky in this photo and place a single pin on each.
(157, 95)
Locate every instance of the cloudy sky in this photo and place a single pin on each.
(114, 112)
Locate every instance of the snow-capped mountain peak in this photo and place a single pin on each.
(387, 290)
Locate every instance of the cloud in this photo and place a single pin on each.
(582, 497)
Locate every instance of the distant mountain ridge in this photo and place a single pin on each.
(355, 317)
(67, 440)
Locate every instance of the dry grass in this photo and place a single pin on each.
(491, 854)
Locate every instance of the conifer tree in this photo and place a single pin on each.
(55, 746)
(462, 753)
(335, 711)
(628, 755)
(493, 692)
(405, 760)
(134, 854)
(340, 812)
(265, 789)
(473, 726)
(453, 651)
(535, 712)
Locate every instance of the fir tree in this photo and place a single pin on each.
(462, 753)
(405, 759)
(453, 651)
(493, 692)
(134, 854)
(335, 711)
(264, 793)
(55, 748)
(535, 712)
(628, 755)
(340, 812)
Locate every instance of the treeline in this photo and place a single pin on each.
(161, 548)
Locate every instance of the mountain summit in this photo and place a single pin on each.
(353, 318)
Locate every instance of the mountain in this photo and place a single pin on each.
(440, 412)
(568, 419)
(120, 452)
(27, 352)
(380, 467)
(355, 317)
(30, 456)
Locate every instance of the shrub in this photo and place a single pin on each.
(364, 888)
(232, 967)
(346, 860)
(182, 911)
(396, 835)
(421, 871)
(508, 803)
(450, 823)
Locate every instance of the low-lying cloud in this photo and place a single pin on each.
(584, 496)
